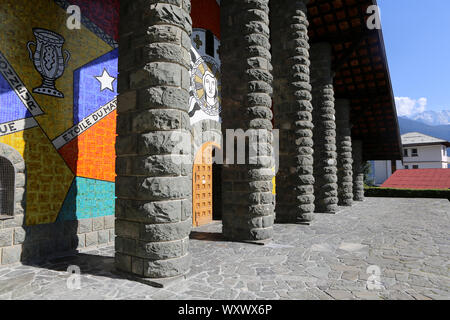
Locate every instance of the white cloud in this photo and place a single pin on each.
(407, 107)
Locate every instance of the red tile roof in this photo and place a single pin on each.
(419, 179)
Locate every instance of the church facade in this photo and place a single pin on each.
(156, 116)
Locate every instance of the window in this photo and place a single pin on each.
(393, 166)
(7, 187)
(406, 167)
(415, 166)
(414, 153)
(209, 45)
(405, 152)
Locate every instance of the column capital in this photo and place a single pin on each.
(342, 107)
(321, 55)
(296, 2)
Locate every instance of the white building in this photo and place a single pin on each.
(420, 151)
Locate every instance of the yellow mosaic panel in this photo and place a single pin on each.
(18, 18)
(48, 177)
(274, 182)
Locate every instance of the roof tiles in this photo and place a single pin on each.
(419, 179)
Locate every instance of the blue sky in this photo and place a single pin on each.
(417, 39)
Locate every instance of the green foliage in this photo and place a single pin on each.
(367, 168)
(407, 193)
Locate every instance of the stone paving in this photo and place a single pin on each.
(408, 239)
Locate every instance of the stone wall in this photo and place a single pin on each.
(24, 243)
(21, 243)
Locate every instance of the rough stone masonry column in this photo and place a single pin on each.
(358, 171)
(248, 202)
(325, 187)
(153, 184)
(293, 111)
(344, 153)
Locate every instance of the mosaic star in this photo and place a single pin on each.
(106, 81)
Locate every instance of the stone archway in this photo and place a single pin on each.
(7, 187)
(13, 231)
(15, 158)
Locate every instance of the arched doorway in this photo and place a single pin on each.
(202, 185)
(7, 187)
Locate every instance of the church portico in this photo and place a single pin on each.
(275, 78)
(153, 117)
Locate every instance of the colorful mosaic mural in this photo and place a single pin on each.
(204, 103)
(58, 90)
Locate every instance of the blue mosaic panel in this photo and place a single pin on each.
(87, 86)
(88, 198)
(11, 107)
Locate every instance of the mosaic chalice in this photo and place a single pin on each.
(48, 60)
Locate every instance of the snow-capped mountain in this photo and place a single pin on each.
(407, 125)
(433, 118)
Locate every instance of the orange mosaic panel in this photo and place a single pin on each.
(92, 154)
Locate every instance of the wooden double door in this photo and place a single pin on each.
(202, 186)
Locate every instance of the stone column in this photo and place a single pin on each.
(344, 152)
(325, 187)
(153, 164)
(358, 171)
(248, 202)
(293, 111)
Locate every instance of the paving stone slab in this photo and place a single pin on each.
(317, 262)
